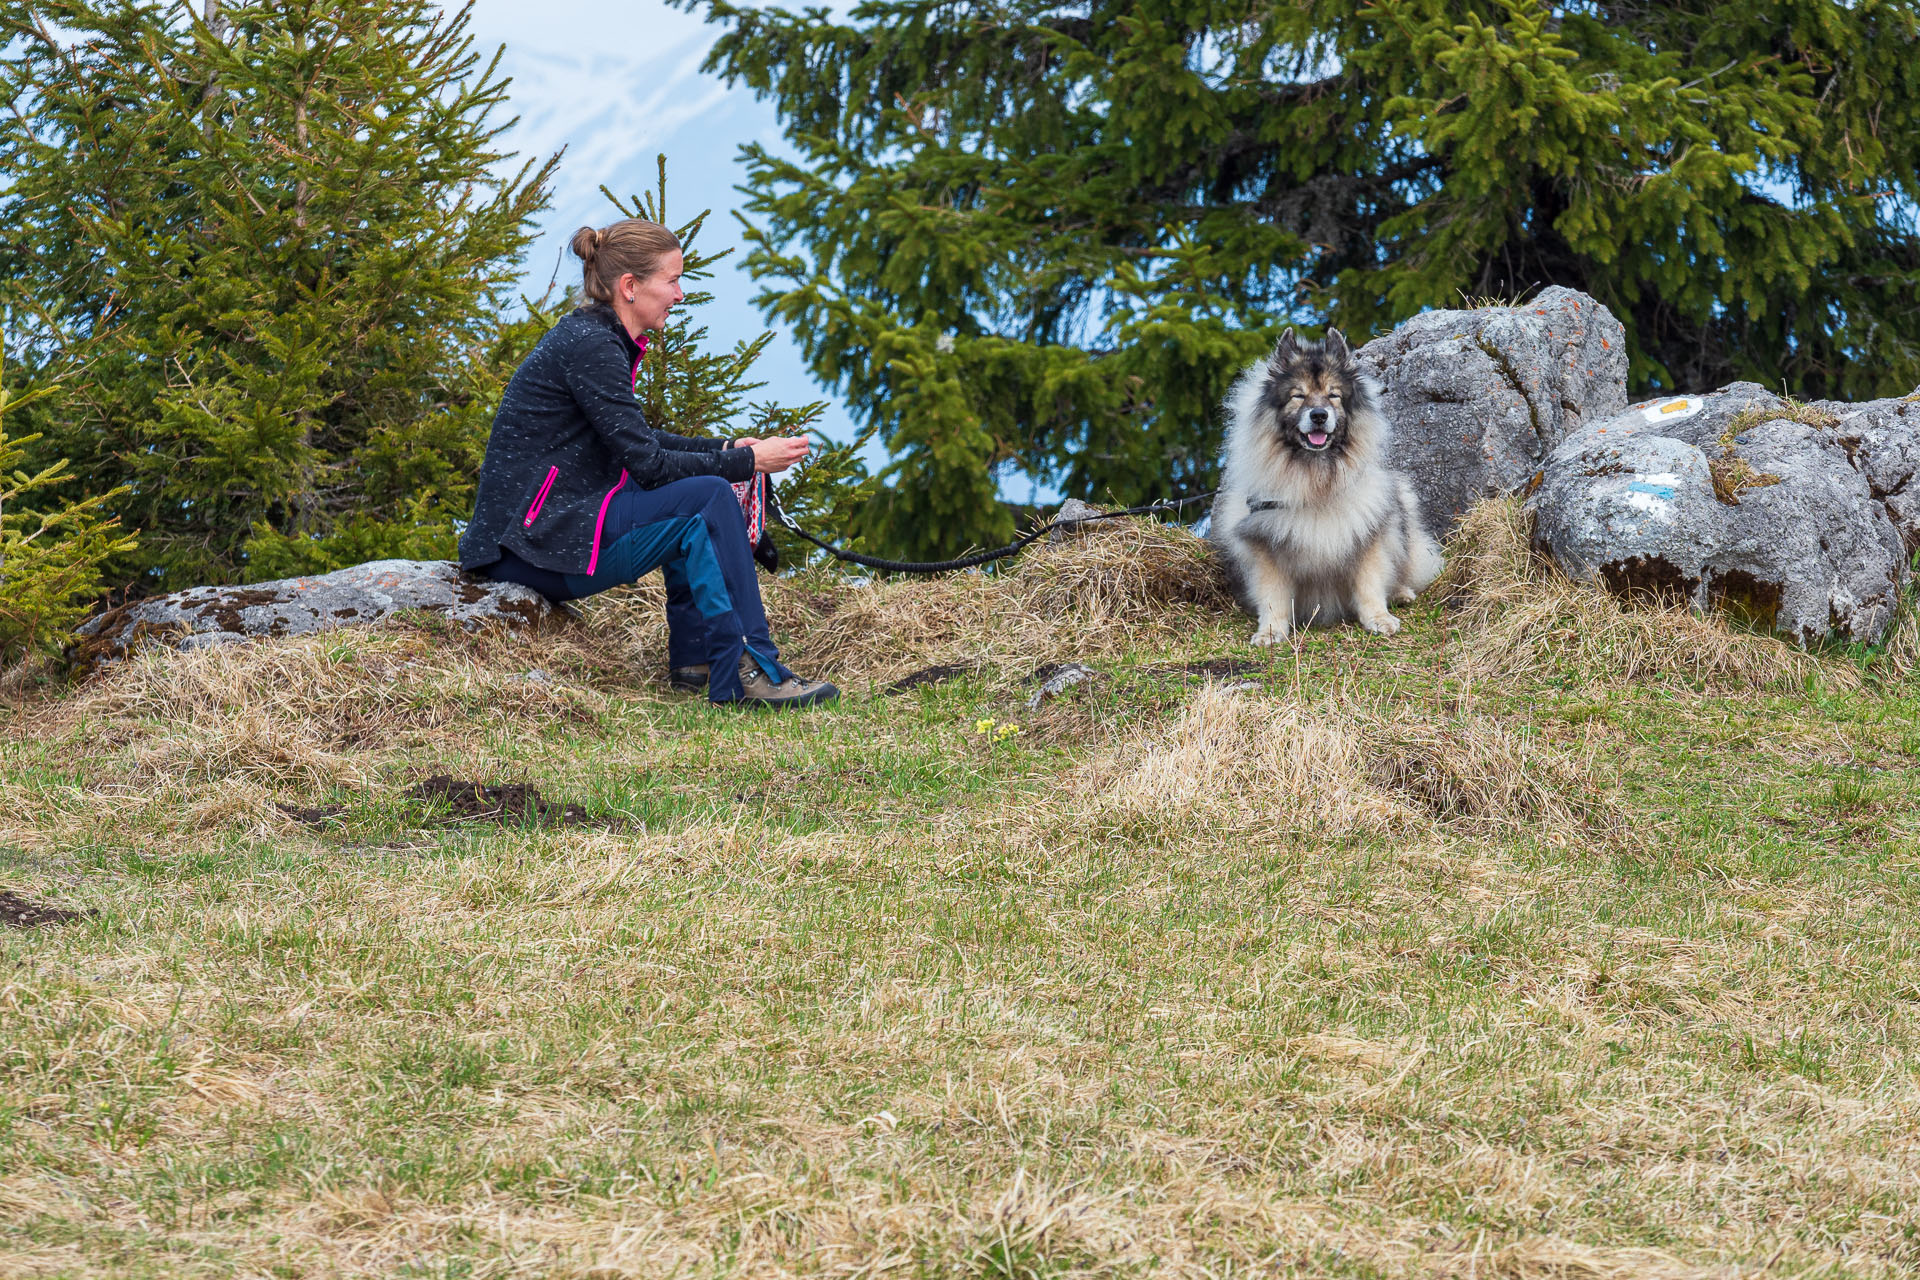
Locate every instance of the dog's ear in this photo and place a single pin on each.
(1286, 349)
(1337, 347)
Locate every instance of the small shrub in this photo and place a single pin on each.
(50, 551)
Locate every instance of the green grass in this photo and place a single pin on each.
(866, 992)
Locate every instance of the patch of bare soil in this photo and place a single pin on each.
(810, 782)
(1220, 668)
(515, 802)
(17, 912)
(936, 674)
(317, 816)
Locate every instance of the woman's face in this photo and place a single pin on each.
(651, 299)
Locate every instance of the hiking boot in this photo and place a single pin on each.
(687, 679)
(791, 692)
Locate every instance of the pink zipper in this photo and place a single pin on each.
(540, 498)
(600, 524)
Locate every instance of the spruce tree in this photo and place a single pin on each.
(271, 249)
(51, 546)
(1046, 236)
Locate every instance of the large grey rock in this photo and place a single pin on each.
(1741, 501)
(359, 596)
(1479, 398)
(1883, 439)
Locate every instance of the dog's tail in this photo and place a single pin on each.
(1424, 561)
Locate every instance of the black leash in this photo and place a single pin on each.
(978, 558)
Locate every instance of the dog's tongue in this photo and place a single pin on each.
(1316, 438)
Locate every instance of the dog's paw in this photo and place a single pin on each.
(1270, 633)
(1384, 624)
(1405, 595)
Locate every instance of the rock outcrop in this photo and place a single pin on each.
(1478, 399)
(359, 596)
(1802, 518)
(1883, 439)
(1798, 518)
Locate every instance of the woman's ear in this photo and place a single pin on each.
(625, 286)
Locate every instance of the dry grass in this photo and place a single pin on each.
(1234, 763)
(1254, 766)
(1492, 777)
(1122, 586)
(1350, 975)
(1733, 475)
(1489, 301)
(208, 738)
(1899, 654)
(1789, 409)
(312, 711)
(1517, 617)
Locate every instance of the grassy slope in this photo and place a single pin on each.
(1411, 961)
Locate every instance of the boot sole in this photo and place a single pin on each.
(814, 699)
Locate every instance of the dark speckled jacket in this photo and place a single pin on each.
(568, 436)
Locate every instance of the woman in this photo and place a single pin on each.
(578, 493)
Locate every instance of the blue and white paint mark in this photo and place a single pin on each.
(1653, 492)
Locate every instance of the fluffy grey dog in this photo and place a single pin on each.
(1314, 529)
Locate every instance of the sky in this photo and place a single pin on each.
(617, 84)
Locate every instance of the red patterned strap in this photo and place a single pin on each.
(753, 505)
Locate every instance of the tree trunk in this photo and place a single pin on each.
(300, 139)
(217, 23)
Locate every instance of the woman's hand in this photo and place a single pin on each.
(774, 456)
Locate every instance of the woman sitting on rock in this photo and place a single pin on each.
(578, 493)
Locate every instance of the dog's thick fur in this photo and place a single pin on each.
(1312, 526)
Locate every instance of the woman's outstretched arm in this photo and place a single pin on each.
(599, 377)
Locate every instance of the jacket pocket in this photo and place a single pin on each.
(540, 498)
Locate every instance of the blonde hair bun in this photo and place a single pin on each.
(586, 243)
